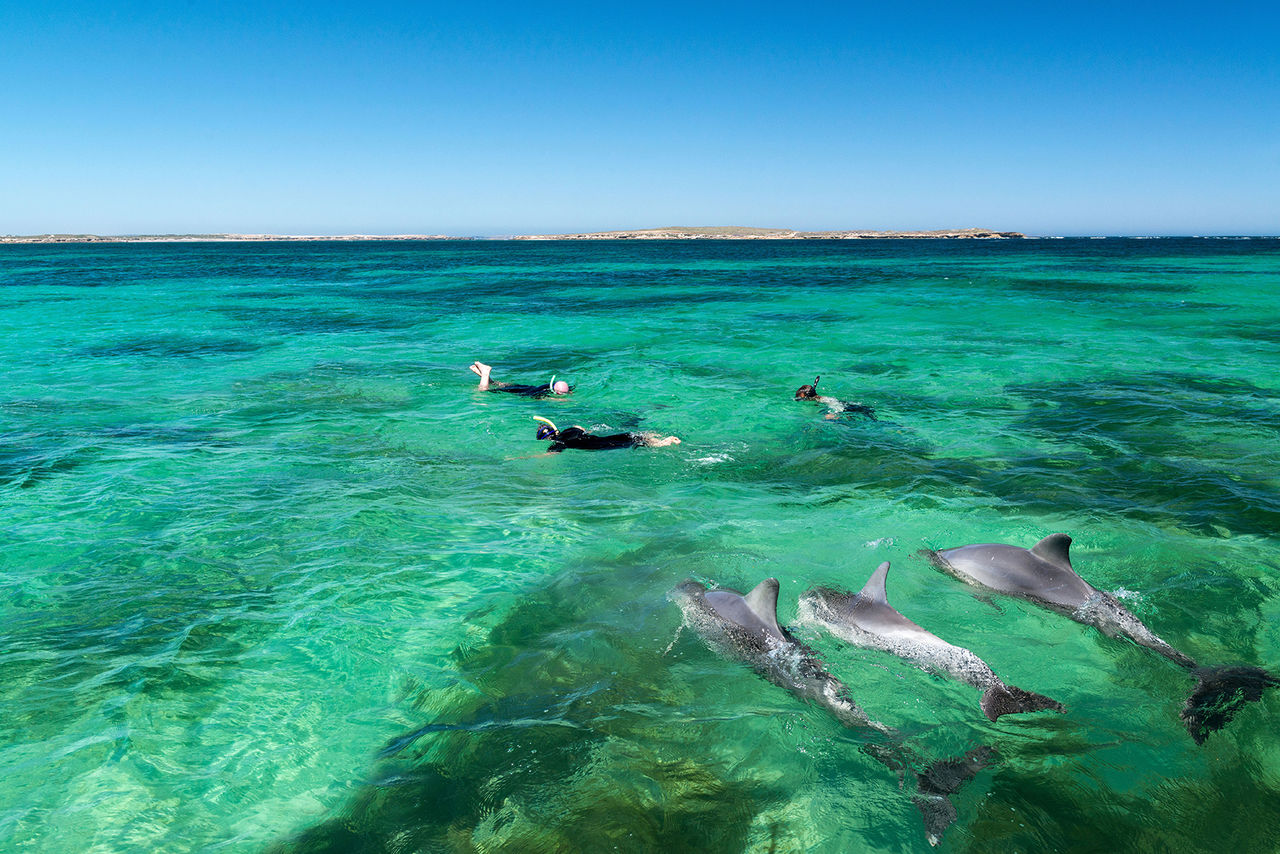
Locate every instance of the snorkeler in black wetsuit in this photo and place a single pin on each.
(835, 407)
(487, 383)
(577, 438)
(535, 391)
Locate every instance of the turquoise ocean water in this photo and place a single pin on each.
(275, 576)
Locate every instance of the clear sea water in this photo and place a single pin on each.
(275, 576)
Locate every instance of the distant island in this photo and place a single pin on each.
(671, 233)
(741, 233)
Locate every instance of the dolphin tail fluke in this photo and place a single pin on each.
(943, 778)
(1220, 692)
(1008, 700)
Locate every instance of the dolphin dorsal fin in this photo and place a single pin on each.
(1054, 549)
(873, 590)
(763, 602)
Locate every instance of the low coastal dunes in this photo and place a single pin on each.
(740, 233)
(672, 233)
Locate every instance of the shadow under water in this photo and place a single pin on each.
(1125, 441)
(175, 346)
(1233, 809)
(550, 747)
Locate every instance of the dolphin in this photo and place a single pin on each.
(745, 628)
(1043, 575)
(867, 619)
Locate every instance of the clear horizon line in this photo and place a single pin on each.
(229, 236)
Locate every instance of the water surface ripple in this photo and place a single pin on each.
(276, 577)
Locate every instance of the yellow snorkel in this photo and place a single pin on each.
(543, 432)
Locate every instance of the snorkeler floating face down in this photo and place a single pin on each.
(836, 407)
(579, 439)
(808, 392)
(488, 383)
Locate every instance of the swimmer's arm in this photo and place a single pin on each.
(653, 440)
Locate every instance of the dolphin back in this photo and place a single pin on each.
(1041, 574)
(867, 619)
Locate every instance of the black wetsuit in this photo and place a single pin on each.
(523, 390)
(845, 406)
(576, 437)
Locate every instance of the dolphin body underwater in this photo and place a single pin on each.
(1043, 575)
(745, 628)
(866, 619)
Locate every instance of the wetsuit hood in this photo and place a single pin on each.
(547, 429)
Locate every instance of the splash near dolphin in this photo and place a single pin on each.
(1044, 576)
(866, 619)
(745, 628)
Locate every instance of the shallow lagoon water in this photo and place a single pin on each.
(275, 576)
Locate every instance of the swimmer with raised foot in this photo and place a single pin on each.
(579, 439)
(554, 388)
(835, 407)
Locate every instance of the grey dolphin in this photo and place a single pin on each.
(1043, 575)
(745, 628)
(867, 619)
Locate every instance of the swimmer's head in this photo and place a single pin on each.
(560, 387)
(806, 392)
(547, 429)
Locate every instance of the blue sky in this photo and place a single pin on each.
(334, 118)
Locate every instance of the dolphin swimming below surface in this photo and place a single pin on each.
(866, 619)
(1043, 575)
(745, 628)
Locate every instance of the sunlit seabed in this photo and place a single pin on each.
(260, 531)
